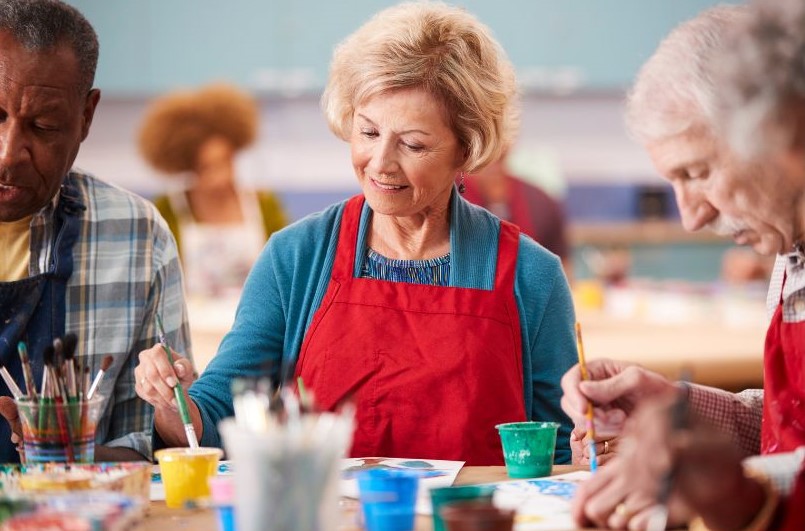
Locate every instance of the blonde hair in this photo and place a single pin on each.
(676, 89)
(176, 125)
(439, 48)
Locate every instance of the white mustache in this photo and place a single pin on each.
(724, 226)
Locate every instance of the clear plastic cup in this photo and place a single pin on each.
(60, 432)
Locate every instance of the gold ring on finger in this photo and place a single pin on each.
(622, 511)
(606, 447)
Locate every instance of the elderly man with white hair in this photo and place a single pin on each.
(720, 108)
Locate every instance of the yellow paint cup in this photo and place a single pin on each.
(185, 473)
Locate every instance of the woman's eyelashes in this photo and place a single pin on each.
(412, 146)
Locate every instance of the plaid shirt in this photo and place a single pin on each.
(740, 414)
(125, 270)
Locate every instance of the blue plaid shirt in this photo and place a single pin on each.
(125, 270)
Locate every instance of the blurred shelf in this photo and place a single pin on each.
(624, 233)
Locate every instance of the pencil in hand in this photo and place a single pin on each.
(590, 425)
(184, 412)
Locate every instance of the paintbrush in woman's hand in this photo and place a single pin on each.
(178, 392)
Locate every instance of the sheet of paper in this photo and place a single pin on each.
(541, 503)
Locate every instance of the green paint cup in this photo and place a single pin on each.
(528, 448)
(444, 495)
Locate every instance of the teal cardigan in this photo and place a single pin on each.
(289, 279)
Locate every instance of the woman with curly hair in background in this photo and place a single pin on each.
(196, 135)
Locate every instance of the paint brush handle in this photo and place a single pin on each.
(178, 392)
(27, 373)
(184, 413)
(11, 384)
(591, 438)
(95, 383)
(192, 438)
(590, 414)
(65, 430)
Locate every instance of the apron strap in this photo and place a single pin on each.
(348, 233)
(508, 244)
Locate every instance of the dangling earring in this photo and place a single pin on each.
(461, 186)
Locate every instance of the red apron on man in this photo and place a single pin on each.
(431, 369)
(784, 385)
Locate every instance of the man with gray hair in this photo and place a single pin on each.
(684, 449)
(79, 255)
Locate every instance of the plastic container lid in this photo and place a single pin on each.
(222, 490)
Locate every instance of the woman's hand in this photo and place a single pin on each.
(156, 380)
(156, 377)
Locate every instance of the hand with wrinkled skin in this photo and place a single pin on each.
(615, 388)
(708, 477)
(580, 447)
(156, 378)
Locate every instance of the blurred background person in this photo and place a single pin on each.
(741, 266)
(526, 205)
(220, 228)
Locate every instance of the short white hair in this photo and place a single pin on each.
(676, 89)
(762, 76)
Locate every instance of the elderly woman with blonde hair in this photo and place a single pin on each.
(436, 318)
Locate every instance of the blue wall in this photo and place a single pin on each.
(149, 46)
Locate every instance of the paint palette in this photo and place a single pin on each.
(106, 511)
(132, 479)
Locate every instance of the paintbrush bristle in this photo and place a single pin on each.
(107, 362)
(49, 355)
(70, 343)
(23, 350)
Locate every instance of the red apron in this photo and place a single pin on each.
(431, 369)
(784, 386)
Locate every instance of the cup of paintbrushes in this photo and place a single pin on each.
(286, 475)
(55, 430)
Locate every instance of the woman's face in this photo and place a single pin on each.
(404, 153)
(215, 163)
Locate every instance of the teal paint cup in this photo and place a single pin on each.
(528, 448)
(444, 495)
